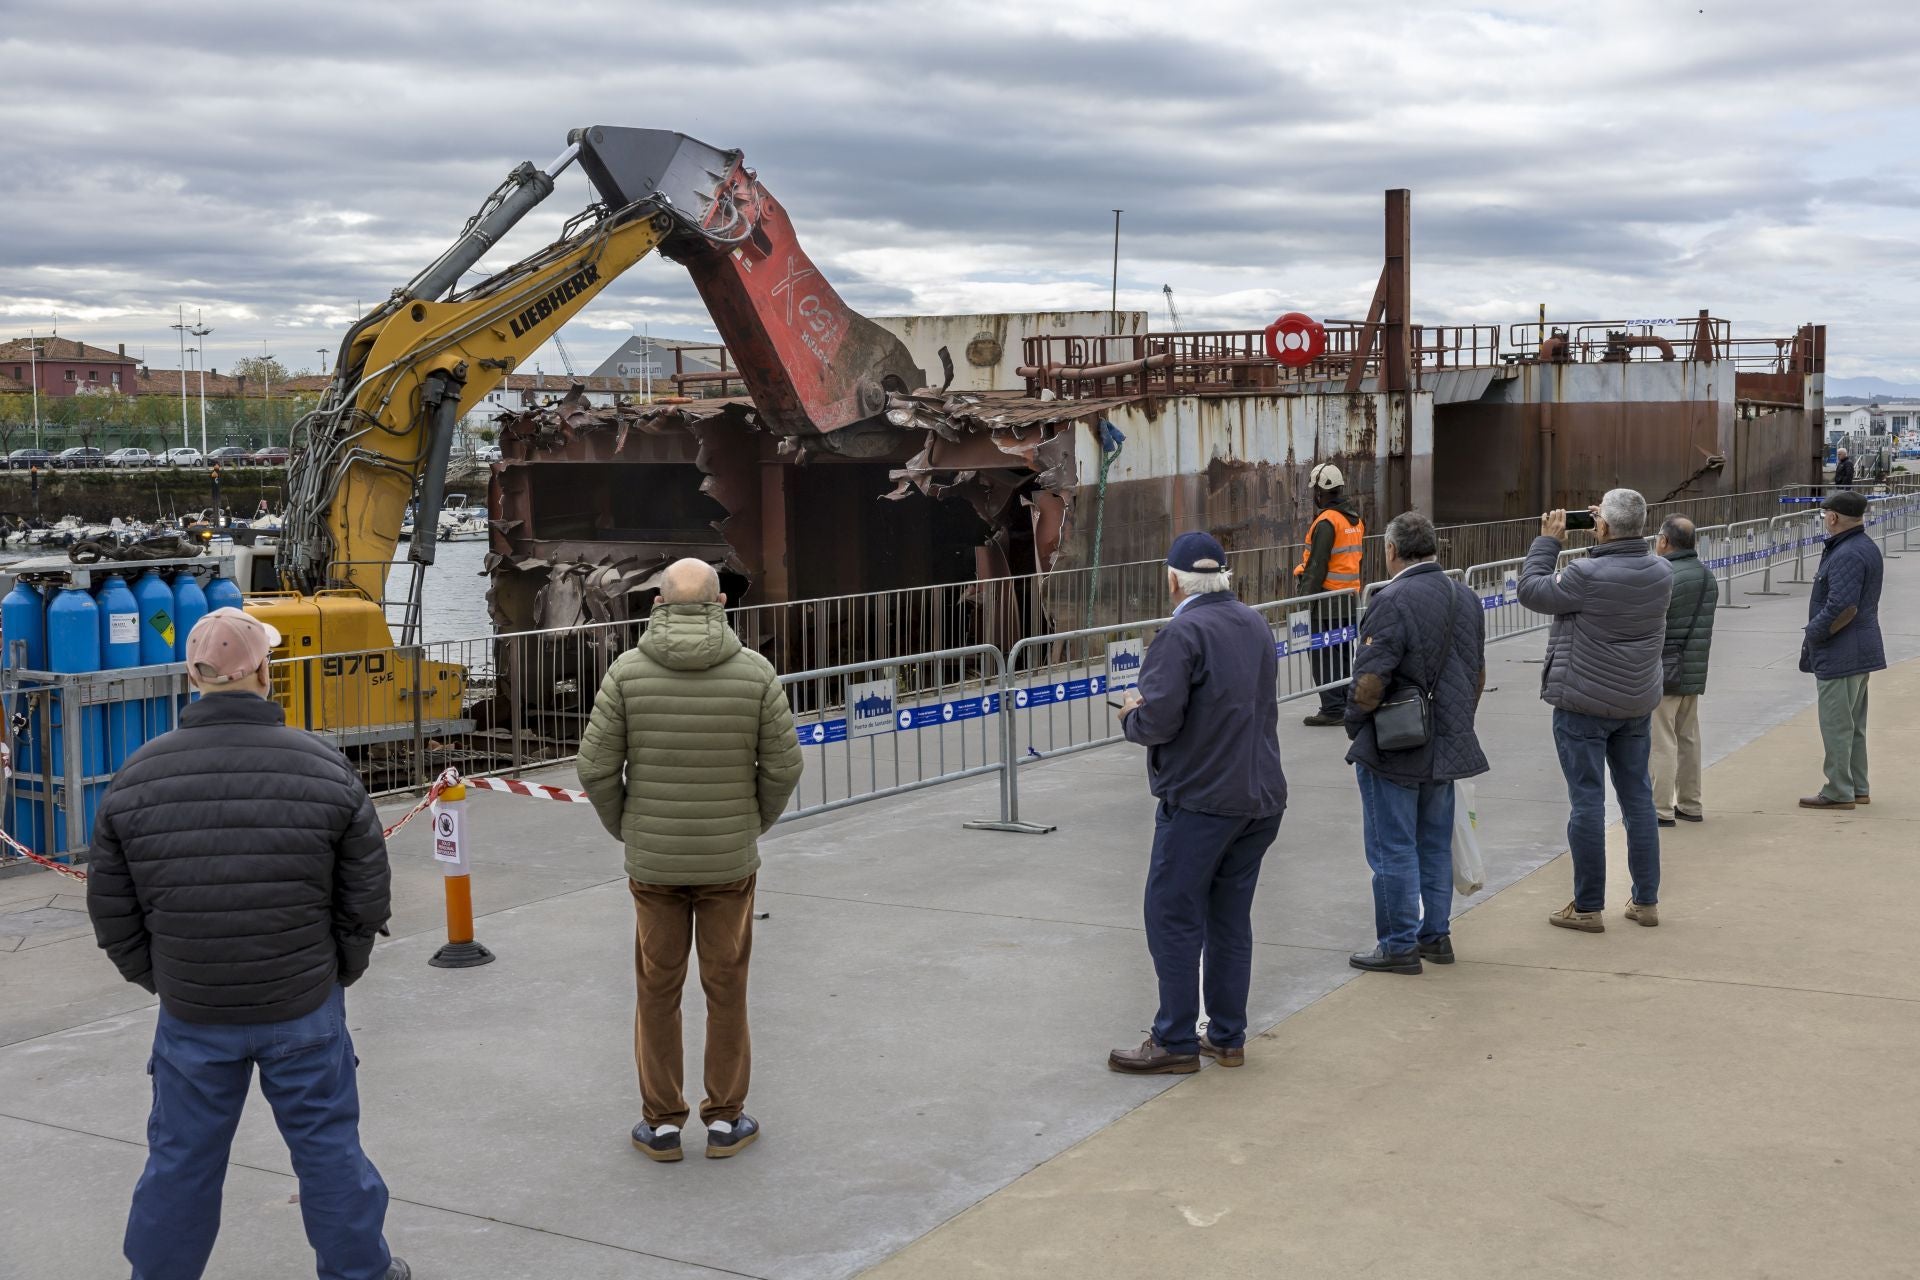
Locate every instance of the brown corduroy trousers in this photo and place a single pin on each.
(669, 922)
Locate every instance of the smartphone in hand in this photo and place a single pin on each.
(1579, 519)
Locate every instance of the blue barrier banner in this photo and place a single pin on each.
(1302, 642)
(824, 732)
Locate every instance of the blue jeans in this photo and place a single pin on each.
(1409, 839)
(1590, 748)
(1200, 886)
(201, 1073)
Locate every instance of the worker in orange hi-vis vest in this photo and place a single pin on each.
(1331, 562)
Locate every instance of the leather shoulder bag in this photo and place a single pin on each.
(1404, 718)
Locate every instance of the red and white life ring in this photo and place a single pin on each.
(1296, 340)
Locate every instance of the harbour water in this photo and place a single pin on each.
(454, 606)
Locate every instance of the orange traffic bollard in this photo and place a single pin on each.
(450, 850)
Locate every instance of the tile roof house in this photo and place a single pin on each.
(66, 367)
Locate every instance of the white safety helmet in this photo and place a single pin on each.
(1326, 476)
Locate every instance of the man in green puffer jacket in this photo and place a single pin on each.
(1676, 721)
(689, 757)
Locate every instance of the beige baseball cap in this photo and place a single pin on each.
(228, 645)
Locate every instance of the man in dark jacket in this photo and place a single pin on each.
(1602, 678)
(1683, 669)
(1424, 631)
(1842, 470)
(1842, 647)
(1206, 710)
(239, 872)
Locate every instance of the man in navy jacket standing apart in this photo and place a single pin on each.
(1843, 647)
(1206, 710)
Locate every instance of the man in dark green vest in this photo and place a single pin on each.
(1676, 721)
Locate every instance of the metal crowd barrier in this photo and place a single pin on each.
(869, 729)
(875, 729)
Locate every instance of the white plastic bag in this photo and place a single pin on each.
(1469, 867)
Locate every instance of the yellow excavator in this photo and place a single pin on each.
(380, 439)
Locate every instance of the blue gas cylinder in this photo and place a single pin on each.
(119, 649)
(73, 645)
(23, 626)
(189, 606)
(155, 599)
(224, 593)
(23, 618)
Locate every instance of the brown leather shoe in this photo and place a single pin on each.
(1861, 797)
(1151, 1060)
(1821, 802)
(1225, 1057)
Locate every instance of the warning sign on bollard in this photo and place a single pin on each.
(450, 850)
(446, 835)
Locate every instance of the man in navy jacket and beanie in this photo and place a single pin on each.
(1424, 631)
(1842, 646)
(1206, 710)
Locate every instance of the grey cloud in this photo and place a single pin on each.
(222, 162)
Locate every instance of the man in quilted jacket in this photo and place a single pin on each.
(239, 873)
(1689, 643)
(1603, 679)
(689, 756)
(1843, 647)
(1424, 631)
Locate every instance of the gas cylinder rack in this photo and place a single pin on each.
(92, 665)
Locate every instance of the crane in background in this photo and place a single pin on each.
(1173, 312)
(566, 361)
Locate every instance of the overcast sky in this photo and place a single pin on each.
(275, 166)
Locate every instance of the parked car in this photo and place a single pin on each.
(272, 457)
(130, 458)
(80, 456)
(230, 456)
(22, 459)
(487, 453)
(183, 457)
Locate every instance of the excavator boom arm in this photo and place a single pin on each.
(411, 368)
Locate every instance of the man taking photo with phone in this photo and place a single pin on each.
(1603, 679)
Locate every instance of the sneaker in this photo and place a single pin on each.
(1152, 1060)
(1321, 719)
(662, 1144)
(1585, 921)
(398, 1270)
(1235, 1057)
(1684, 816)
(1380, 960)
(1643, 913)
(1859, 797)
(1439, 950)
(1821, 802)
(730, 1138)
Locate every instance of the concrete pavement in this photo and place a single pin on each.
(932, 1009)
(1729, 1094)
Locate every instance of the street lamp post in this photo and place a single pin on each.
(181, 329)
(201, 331)
(266, 405)
(33, 359)
(323, 358)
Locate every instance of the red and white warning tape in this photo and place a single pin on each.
(537, 790)
(448, 779)
(61, 867)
